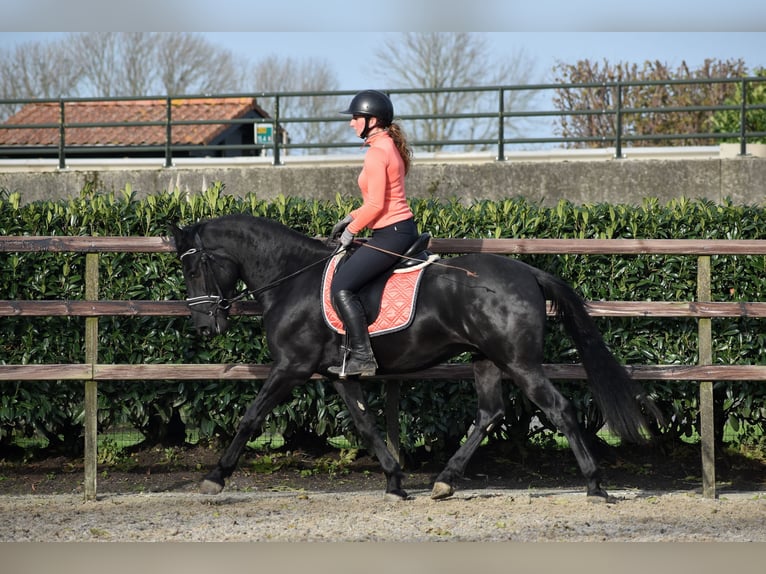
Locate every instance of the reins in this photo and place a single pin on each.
(223, 303)
(220, 302)
(281, 280)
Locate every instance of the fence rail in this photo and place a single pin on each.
(493, 125)
(91, 371)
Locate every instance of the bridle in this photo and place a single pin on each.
(212, 305)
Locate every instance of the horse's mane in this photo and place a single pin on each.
(275, 230)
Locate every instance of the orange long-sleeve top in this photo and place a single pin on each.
(381, 182)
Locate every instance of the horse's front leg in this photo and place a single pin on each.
(275, 390)
(351, 392)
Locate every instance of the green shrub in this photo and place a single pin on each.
(434, 413)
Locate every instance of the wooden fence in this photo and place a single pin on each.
(91, 308)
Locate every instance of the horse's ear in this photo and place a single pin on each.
(177, 233)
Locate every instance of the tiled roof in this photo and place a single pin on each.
(118, 111)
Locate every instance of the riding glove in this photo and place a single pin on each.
(340, 226)
(346, 238)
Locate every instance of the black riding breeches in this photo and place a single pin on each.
(366, 263)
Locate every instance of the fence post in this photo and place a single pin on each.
(168, 132)
(707, 417)
(618, 123)
(277, 136)
(501, 127)
(743, 121)
(62, 135)
(91, 388)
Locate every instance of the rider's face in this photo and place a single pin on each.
(357, 122)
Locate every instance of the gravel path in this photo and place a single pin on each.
(309, 516)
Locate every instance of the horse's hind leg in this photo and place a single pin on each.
(351, 392)
(561, 413)
(491, 409)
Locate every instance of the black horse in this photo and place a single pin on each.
(497, 313)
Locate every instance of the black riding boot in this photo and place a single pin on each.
(361, 360)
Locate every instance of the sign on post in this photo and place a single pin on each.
(263, 134)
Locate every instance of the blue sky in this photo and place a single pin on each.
(346, 33)
(349, 53)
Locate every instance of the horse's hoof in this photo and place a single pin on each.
(600, 497)
(442, 490)
(396, 495)
(210, 487)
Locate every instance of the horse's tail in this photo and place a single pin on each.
(619, 397)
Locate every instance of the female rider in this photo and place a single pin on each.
(384, 210)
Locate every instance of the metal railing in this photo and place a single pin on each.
(497, 116)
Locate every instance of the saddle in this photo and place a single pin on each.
(396, 289)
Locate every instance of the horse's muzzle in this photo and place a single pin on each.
(209, 314)
(209, 326)
(206, 332)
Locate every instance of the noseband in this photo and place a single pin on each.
(210, 305)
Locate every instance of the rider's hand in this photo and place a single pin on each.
(346, 238)
(340, 227)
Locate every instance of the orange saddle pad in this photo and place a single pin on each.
(397, 307)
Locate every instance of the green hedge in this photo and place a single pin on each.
(437, 412)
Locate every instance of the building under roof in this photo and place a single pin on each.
(133, 128)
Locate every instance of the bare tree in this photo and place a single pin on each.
(120, 64)
(137, 55)
(99, 64)
(452, 60)
(188, 63)
(36, 70)
(296, 80)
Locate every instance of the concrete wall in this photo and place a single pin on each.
(583, 178)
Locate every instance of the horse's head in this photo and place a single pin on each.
(211, 279)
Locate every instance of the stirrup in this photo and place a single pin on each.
(348, 368)
(341, 371)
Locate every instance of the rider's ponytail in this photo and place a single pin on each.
(400, 140)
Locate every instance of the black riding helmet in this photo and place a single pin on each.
(369, 104)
